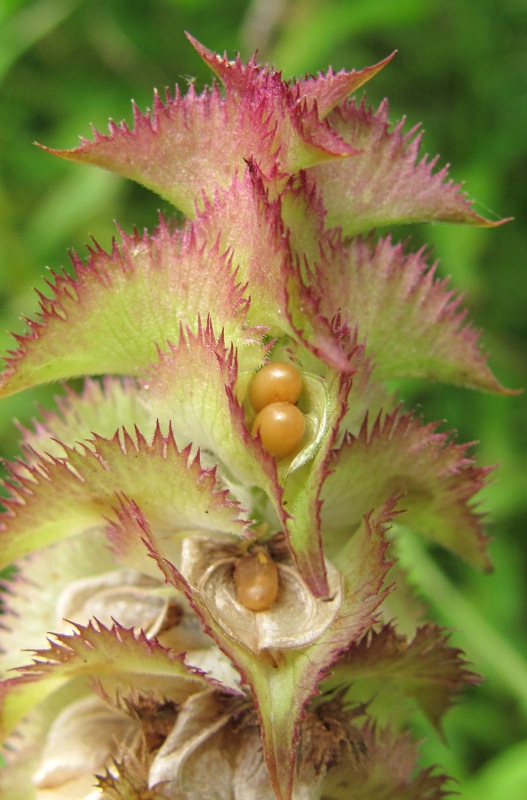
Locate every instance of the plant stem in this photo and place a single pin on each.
(485, 645)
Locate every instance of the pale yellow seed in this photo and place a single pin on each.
(256, 580)
(276, 382)
(281, 427)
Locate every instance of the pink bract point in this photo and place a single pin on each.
(330, 89)
(86, 486)
(434, 480)
(388, 771)
(173, 147)
(250, 228)
(194, 384)
(114, 312)
(118, 655)
(425, 668)
(411, 321)
(103, 406)
(306, 136)
(387, 182)
(183, 139)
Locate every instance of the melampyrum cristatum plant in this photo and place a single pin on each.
(201, 568)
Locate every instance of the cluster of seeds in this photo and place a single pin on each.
(274, 392)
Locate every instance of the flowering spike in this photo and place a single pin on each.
(201, 567)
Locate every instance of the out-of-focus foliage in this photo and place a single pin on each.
(462, 71)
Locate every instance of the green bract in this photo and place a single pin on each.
(134, 500)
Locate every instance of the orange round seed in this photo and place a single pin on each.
(281, 427)
(256, 580)
(274, 383)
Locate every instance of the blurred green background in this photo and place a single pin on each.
(461, 70)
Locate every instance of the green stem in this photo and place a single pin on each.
(485, 645)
